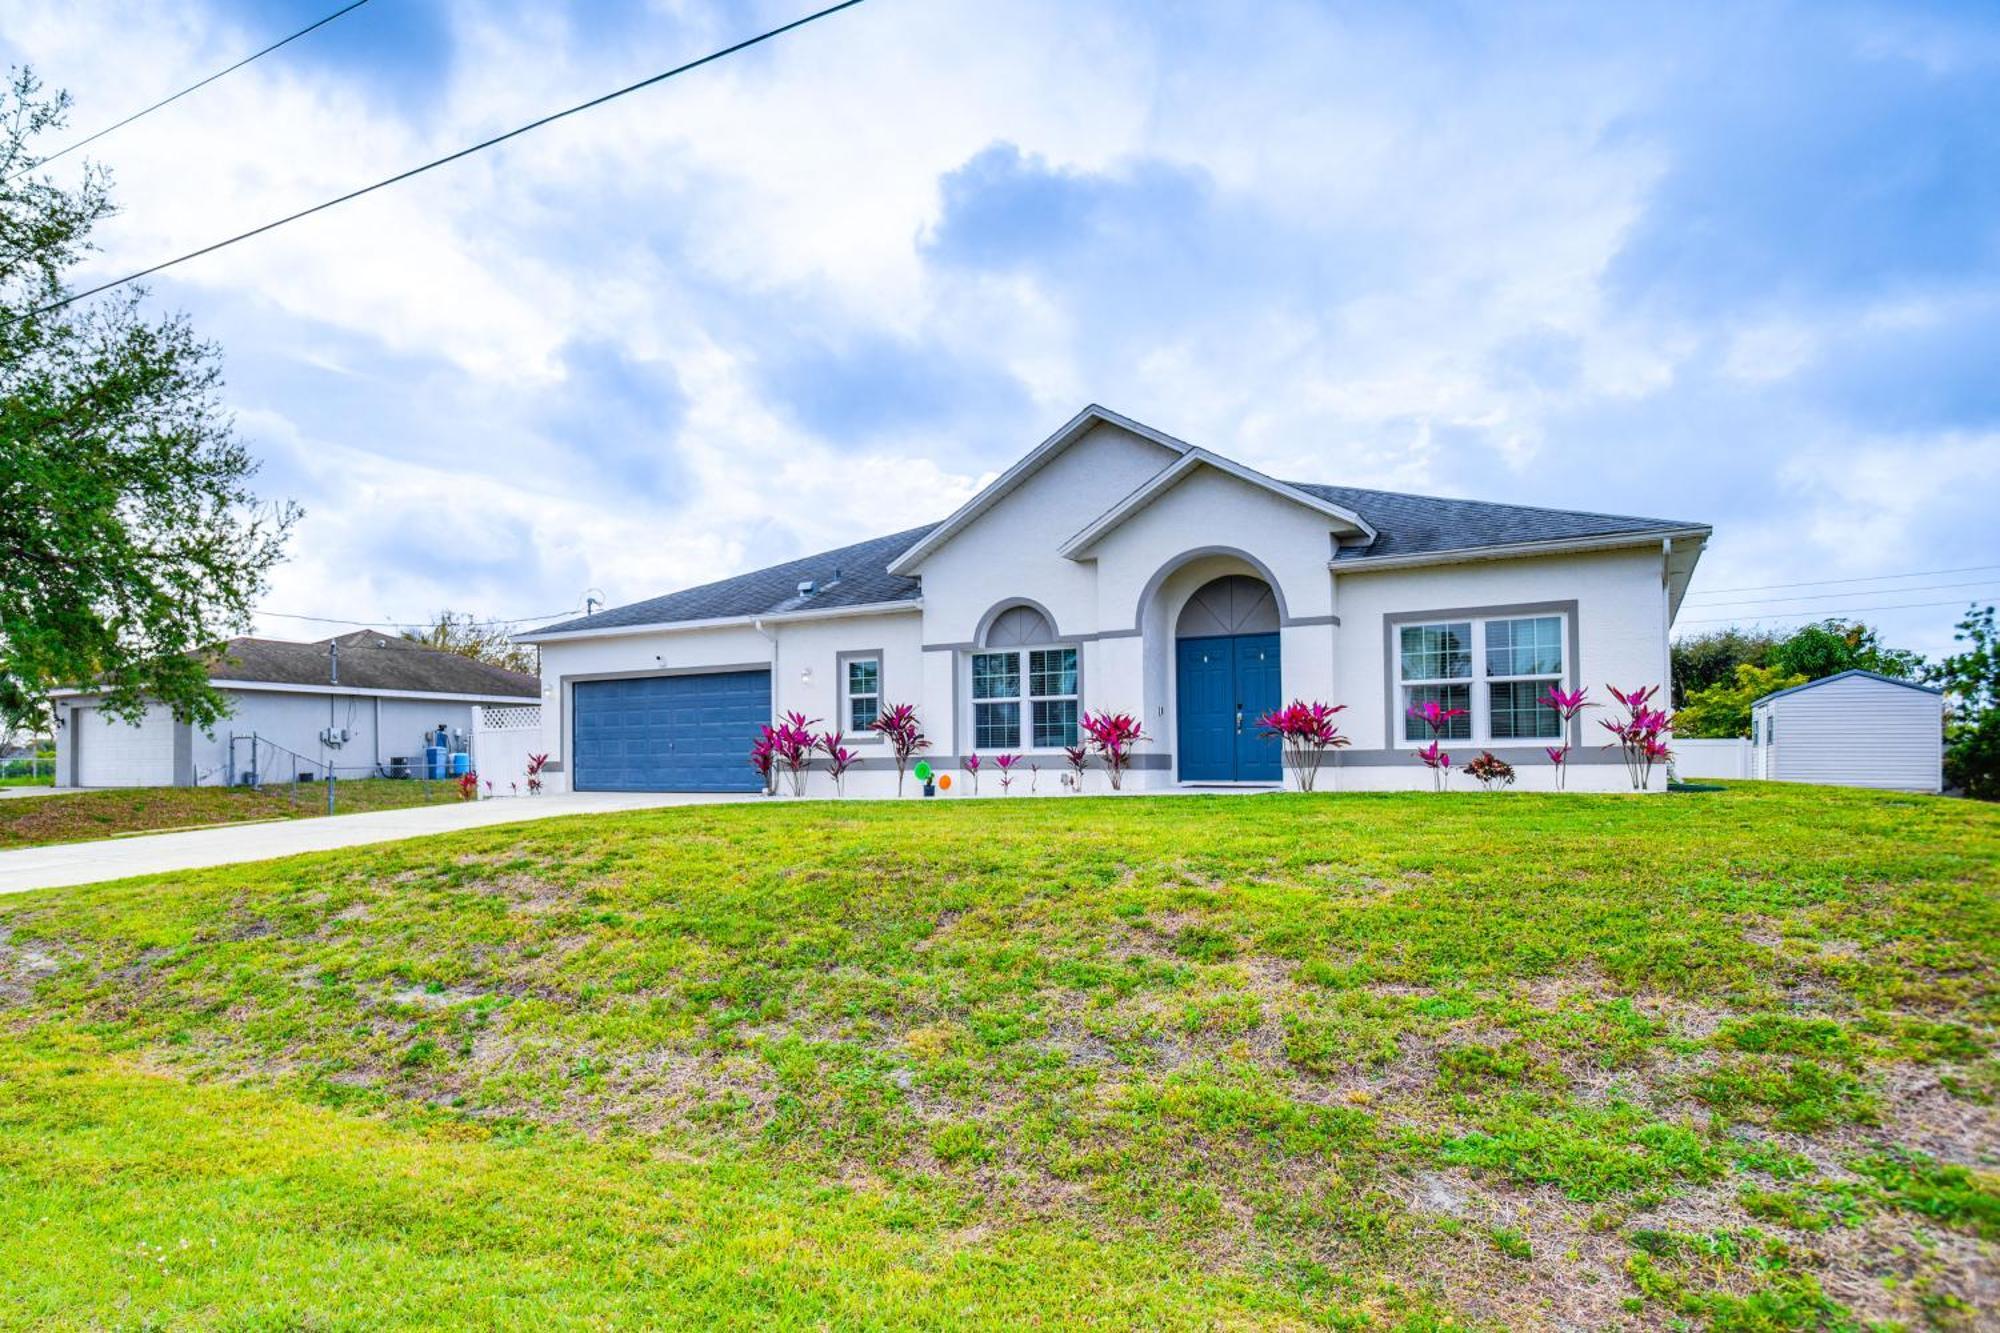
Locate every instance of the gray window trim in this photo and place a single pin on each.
(1392, 675)
(840, 661)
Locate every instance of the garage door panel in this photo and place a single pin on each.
(111, 752)
(669, 733)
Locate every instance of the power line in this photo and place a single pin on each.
(450, 157)
(1814, 615)
(1851, 592)
(1827, 583)
(321, 23)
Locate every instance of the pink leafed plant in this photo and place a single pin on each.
(1641, 735)
(972, 770)
(763, 758)
(838, 760)
(1437, 761)
(1307, 732)
(1435, 715)
(1489, 770)
(1078, 758)
(468, 786)
(1567, 704)
(897, 724)
(535, 764)
(794, 744)
(1113, 736)
(1006, 763)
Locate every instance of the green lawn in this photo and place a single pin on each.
(81, 816)
(1412, 1061)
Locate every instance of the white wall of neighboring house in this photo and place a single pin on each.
(1852, 731)
(93, 750)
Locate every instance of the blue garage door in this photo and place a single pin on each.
(669, 733)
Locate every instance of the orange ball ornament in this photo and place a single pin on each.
(944, 782)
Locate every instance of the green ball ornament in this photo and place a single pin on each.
(923, 770)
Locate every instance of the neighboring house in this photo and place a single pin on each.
(1854, 729)
(385, 693)
(1117, 568)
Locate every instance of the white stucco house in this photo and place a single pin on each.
(1852, 729)
(378, 695)
(1117, 568)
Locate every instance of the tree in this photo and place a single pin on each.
(131, 545)
(1831, 647)
(1971, 681)
(479, 640)
(1723, 710)
(1709, 659)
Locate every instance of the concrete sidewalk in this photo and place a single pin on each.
(159, 853)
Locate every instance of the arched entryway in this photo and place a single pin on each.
(1227, 675)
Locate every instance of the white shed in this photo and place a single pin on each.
(1855, 729)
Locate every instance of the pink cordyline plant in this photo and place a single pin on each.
(972, 770)
(898, 725)
(1435, 715)
(838, 760)
(1641, 735)
(535, 762)
(1437, 761)
(763, 758)
(1078, 758)
(1006, 763)
(1307, 732)
(793, 744)
(1112, 736)
(1567, 704)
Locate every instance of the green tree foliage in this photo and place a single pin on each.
(481, 641)
(1702, 660)
(1971, 679)
(1831, 647)
(1723, 710)
(130, 542)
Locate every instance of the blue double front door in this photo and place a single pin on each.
(1224, 685)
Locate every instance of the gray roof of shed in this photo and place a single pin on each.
(858, 575)
(369, 660)
(1843, 675)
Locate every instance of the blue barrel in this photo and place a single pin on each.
(434, 760)
(461, 764)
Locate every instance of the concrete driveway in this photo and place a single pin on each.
(158, 853)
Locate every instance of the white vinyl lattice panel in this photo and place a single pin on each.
(503, 736)
(510, 717)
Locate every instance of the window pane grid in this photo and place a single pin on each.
(1437, 652)
(996, 676)
(1051, 672)
(1055, 723)
(1524, 647)
(996, 726)
(1515, 712)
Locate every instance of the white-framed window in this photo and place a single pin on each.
(1497, 669)
(1024, 698)
(862, 683)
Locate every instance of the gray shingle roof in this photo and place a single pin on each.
(1848, 674)
(858, 575)
(1428, 525)
(369, 660)
(854, 575)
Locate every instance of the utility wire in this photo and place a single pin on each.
(414, 624)
(1869, 578)
(450, 157)
(1816, 615)
(1851, 592)
(321, 23)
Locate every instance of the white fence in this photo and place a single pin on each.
(503, 736)
(1711, 758)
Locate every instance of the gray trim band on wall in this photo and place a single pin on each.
(1393, 676)
(1141, 763)
(1517, 755)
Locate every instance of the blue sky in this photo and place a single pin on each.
(1735, 263)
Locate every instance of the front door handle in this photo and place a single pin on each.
(1239, 719)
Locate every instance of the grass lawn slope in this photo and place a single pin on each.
(85, 815)
(1399, 1061)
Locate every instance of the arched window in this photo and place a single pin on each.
(1024, 684)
